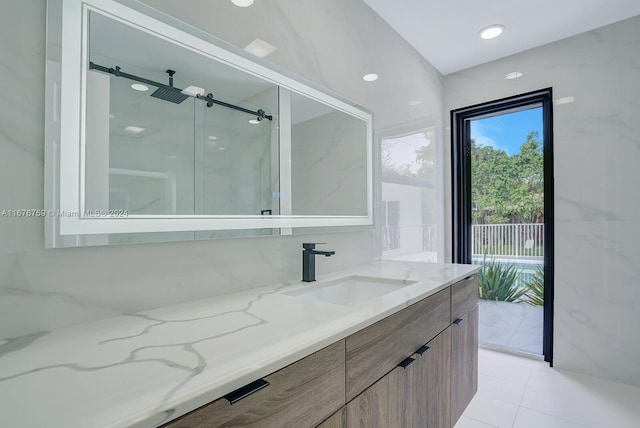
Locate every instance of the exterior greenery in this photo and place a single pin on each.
(535, 288)
(497, 281)
(508, 189)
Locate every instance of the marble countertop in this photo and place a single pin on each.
(144, 369)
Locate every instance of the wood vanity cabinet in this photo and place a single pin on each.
(415, 393)
(415, 368)
(337, 420)
(302, 394)
(375, 350)
(464, 345)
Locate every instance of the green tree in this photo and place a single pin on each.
(507, 189)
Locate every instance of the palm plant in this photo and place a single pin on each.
(535, 288)
(497, 281)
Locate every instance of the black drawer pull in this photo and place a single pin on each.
(423, 349)
(470, 277)
(406, 362)
(245, 391)
(458, 321)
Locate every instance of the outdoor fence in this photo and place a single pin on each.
(508, 240)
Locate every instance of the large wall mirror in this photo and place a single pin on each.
(157, 131)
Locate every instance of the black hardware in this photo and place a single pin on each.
(266, 212)
(458, 321)
(423, 349)
(468, 278)
(309, 260)
(170, 89)
(406, 362)
(260, 114)
(245, 391)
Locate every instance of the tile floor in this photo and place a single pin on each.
(519, 392)
(516, 326)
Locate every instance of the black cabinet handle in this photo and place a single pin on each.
(423, 349)
(468, 278)
(245, 391)
(458, 321)
(406, 362)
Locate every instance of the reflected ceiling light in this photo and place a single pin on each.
(220, 148)
(112, 116)
(563, 100)
(212, 137)
(134, 129)
(139, 87)
(170, 156)
(254, 121)
(415, 102)
(513, 75)
(371, 77)
(491, 32)
(260, 48)
(193, 91)
(242, 3)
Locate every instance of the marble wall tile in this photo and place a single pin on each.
(332, 42)
(596, 158)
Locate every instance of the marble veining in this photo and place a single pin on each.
(144, 369)
(596, 177)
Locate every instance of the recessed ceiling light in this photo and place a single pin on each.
(134, 129)
(513, 75)
(371, 77)
(260, 48)
(254, 121)
(415, 102)
(139, 87)
(491, 31)
(242, 3)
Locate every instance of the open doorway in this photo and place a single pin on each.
(503, 217)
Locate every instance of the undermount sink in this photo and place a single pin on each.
(350, 291)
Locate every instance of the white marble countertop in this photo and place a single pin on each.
(144, 369)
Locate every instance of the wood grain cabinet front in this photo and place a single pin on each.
(337, 420)
(464, 362)
(464, 296)
(415, 394)
(302, 394)
(375, 350)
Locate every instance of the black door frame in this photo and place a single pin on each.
(461, 187)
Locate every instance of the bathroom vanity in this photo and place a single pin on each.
(386, 344)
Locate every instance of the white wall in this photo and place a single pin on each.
(332, 42)
(596, 169)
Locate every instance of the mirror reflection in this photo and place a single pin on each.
(168, 135)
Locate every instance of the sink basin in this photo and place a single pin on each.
(350, 291)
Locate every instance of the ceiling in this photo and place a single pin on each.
(446, 32)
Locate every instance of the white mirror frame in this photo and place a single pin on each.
(71, 196)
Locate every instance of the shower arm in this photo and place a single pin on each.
(117, 71)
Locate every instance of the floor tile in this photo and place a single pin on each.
(583, 399)
(502, 389)
(550, 398)
(528, 418)
(504, 370)
(466, 422)
(491, 411)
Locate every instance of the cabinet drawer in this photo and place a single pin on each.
(300, 395)
(376, 350)
(464, 296)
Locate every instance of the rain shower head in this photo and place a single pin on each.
(169, 93)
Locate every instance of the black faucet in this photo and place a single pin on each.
(309, 260)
